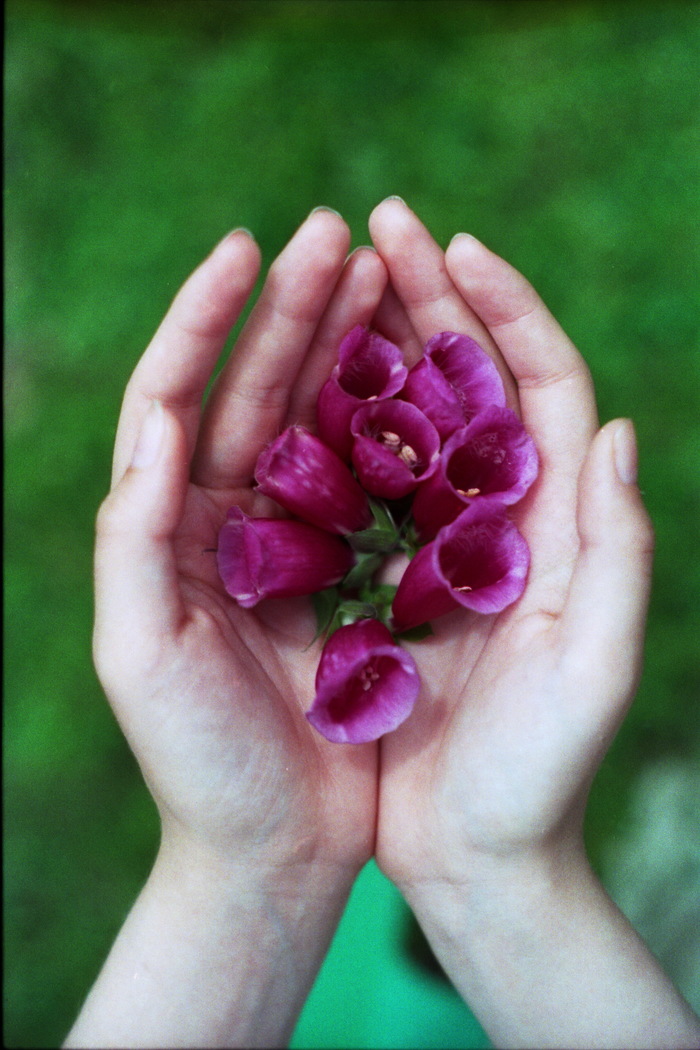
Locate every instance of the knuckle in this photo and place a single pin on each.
(108, 514)
(646, 535)
(111, 515)
(641, 536)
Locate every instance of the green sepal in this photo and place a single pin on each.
(415, 634)
(381, 537)
(382, 516)
(379, 598)
(373, 541)
(325, 604)
(362, 571)
(410, 540)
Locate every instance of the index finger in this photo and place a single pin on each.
(418, 274)
(178, 362)
(250, 400)
(557, 402)
(554, 383)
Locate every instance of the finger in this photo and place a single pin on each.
(392, 321)
(555, 388)
(557, 405)
(138, 601)
(602, 625)
(250, 399)
(178, 363)
(419, 276)
(354, 302)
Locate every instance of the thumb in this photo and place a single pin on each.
(604, 616)
(137, 596)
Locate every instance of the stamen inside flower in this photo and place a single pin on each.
(358, 692)
(390, 439)
(368, 676)
(401, 450)
(476, 464)
(475, 558)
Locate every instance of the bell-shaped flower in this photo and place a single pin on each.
(395, 447)
(273, 558)
(366, 684)
(453, 381)
(479, 561)
(369, 368)
(306, 477)
(492, 457)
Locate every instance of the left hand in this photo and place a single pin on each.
(212, 697)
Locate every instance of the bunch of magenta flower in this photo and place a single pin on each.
(422, 462)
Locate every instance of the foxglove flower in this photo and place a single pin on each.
(395, 446)
(453, 381)
(369, 368)
(366, 684)
(271, 558)
(492, 457)
(306, 477)
(479, 561)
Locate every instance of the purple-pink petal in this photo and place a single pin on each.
(366, 684)
(395, 447)
(272, 558)
(309, 480)
(369, 368)
(453, 381)
(479, 561)
(492, 458)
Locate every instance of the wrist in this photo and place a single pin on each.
(535, 919)
(491, 887)
(254, 878)
(299, 900)
(215, 952)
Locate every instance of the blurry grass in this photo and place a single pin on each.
(565, 135)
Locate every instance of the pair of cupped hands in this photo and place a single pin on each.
(516, 710)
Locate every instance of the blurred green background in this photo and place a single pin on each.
(565, 135)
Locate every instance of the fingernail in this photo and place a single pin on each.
(625, 452)
(150, 437)
(394, 197)
(234, 233)
(323, 207)
(465, 236)
(363, 248)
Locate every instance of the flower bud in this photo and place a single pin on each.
(273, 558)
(453, 381)
(306, 477)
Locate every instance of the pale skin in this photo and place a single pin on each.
(473, 807)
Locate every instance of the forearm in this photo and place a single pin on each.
(545, 959)
(207, 958)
